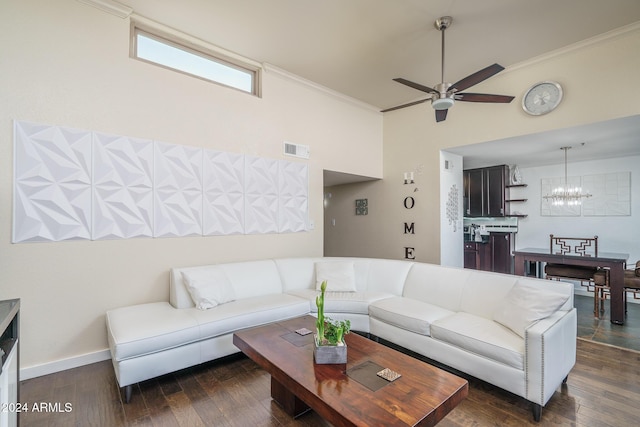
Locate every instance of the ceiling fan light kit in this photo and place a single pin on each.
(442, 103)
(445, 94)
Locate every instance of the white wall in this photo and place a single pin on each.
(451, 210)
(615, 233)
(66, 63)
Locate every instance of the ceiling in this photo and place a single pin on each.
(356, 47)
(603, 140)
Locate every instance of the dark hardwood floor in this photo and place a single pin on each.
(603, 390)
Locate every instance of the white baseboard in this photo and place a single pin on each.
(63, 364)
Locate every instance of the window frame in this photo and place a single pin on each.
(202, 50)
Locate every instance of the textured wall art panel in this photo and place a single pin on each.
(261, 195)
(178, 190)
(293, 206)
(611, 194)
(78, 184)
(223, 181)
(122, 187)
(52, 183)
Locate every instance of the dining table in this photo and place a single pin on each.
(613, 261)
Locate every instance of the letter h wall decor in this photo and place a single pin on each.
(74, 184)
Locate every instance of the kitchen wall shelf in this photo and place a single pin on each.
(508, 186)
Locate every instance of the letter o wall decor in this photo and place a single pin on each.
(72, 184)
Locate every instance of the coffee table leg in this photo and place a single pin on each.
(287, 400)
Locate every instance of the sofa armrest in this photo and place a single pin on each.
(550, 354)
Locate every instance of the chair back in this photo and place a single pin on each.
(582, 246)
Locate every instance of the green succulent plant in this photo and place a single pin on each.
(329, 331)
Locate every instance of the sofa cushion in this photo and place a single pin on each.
(387, 275)
(249, 312)
(409, 314)
(481, 336)
(342, 302)
(249, 278)
(339, 275)
(208, 288)
(148, 328)
(484, 291)
(297, 273)
(437, 285)
(525, 304)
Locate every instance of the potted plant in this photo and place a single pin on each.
(329, 346)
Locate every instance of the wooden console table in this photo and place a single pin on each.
(615, 262)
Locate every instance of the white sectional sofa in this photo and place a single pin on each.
(514, 332)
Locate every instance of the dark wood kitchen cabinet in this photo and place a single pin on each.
(485, 191)
(477, 256)
(501, 260)
(494, 255)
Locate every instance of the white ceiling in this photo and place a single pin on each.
(356, 47)
(602, 140)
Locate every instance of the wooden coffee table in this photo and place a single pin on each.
(350, 394)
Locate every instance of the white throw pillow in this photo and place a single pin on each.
(208, 288)
(340, 275)
(525, 304)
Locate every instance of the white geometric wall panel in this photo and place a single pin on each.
(52, 183)
(293, 206)
(223, 181)
(78, 184)
(178, 190)
(611, 194)
(122, 187)
(261, 195)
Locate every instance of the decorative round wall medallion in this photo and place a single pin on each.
(542, 98)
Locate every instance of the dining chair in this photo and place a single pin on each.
(602, 290)
(597, 279)
(632, 283)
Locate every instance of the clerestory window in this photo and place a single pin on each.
(172, 54)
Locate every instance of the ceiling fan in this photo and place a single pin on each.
(445, 94)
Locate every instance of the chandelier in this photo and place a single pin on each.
(570, 196)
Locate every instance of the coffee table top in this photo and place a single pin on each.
(423, 395)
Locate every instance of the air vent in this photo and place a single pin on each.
(296, 150)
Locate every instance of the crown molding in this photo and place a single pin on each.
(270, 68)
(113, 7)
(609, 35)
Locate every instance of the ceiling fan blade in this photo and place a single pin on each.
(476, 77)
(415, 85)
(441, 115)
(406, 105)
(483, 97)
